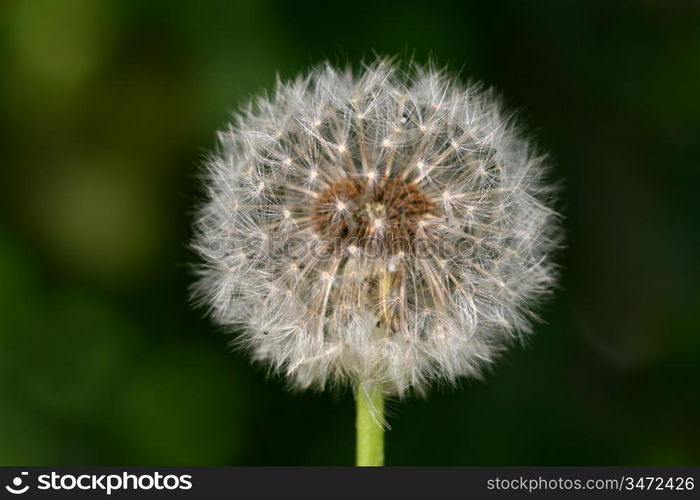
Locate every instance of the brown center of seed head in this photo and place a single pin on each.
(384, 214)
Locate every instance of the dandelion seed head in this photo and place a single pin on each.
(377, 226)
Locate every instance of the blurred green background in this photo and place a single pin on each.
(107, 108)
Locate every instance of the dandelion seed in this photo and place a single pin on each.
(424, 252)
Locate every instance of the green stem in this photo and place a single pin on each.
(370, 426)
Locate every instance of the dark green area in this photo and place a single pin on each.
(109, 106)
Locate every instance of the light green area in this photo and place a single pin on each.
(369, 425)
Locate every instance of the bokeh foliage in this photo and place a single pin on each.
(108, 108)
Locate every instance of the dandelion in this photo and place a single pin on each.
(385, 230)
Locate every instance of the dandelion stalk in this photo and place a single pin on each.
(369, 424)
(369, 419)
